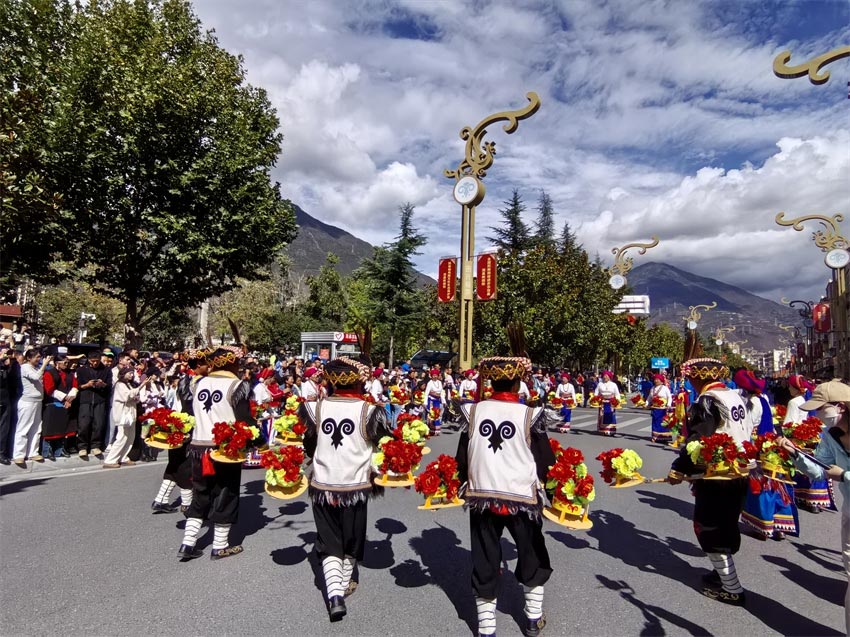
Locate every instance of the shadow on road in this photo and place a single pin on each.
(667, 503)
(252, 517)
(21, 485)
(652, 614)
(378, 554)
(827, 588)
(784, 621)
(446, 565)
(813, 553)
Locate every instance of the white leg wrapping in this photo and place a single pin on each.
(486, 616)
(332, 568)
(533, 601)
(192, 531)
(725, 567)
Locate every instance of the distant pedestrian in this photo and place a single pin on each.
(28, 431)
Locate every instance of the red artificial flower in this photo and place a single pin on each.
(584, 486)
(573, 456)
(557, 449)
(428, 483)
(299, 428)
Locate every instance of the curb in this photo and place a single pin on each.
(43, 471)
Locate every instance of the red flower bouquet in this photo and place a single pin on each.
(418, 397)
(533, 397)
(595, 401)
(284, 477)
(166, 429)
(398, 396)
(673, 423)
(805, 434)
(779, 413)
(774, 461)
(637, 400)
(439, 482)
(396, 460)
(571, 487)
(615, 404)
(620, 467)
(658, 402)
(720, 455)
(232, 440)
(288, 425)
(555, 402)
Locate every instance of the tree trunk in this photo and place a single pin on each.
(390, 361)
(132, 327)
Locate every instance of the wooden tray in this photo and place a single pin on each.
(156, 444)
(220, 457)
(287, 493)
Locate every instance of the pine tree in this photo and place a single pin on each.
(545, 224)
(514, 236)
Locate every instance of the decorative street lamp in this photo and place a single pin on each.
(469, 192)
(695, 315)
(720, 334)
(805, 309)
(623, 264)
(812, 68)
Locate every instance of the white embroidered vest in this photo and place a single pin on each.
(733, 413)
(211, 404)
(501, 466)
(343, 451)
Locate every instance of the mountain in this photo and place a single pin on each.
(315, 239)
(672, 291)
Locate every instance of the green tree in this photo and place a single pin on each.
(514, 236)
(60, 307)
(388, 275)
(162, 153)
(256, 309)
(544, 227)
(33, 42)
(326, 304)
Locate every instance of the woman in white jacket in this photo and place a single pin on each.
(125, 397)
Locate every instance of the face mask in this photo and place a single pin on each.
(829, 416)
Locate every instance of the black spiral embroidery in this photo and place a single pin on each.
(209, 398)
(337, 430)
(497, 435)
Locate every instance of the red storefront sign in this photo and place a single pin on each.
(447, 280)
(485, 285)
(822, 318)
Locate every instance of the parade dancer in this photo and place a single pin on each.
(566, 392)
(717, 503)
(660, 400)
(769, 509)
(606, 389)
(468, 387)
(503, 456)
(178, 471)
(811, 495)
(219, 397)
(311, 388)
(434, 402)
(342, 431)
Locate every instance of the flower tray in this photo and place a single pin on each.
(436, 502)
(289, 440)
(220, 457)
(622, 482)
(677, 442)
(723, 471)
(394, 479)
(775, 472)
(426, 450)
(287, 493)
(568, 515)
(159, 444)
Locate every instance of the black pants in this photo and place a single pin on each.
(340, 531)
(8, 413)
(717, 507)
(216, 497)
(91, 425)
(179, 467)
(532, 568)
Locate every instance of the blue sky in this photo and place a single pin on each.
(657, 118)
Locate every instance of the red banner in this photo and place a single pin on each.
(485, 285)
(447, 280)
(822, 318)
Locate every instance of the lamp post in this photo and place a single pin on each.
(469, 192)
(804, 309)
(812, 68)
(837, 257)
(692, 319)
(623, 264)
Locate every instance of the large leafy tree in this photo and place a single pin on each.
(34, 36)
(326, 305)
(393, 302)
(60, 307)
(162, 153)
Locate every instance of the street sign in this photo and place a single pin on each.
(485, 278)
(660, 363)
(447, 280)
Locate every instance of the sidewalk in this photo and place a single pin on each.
(59, 467)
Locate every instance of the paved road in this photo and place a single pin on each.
(82, 554)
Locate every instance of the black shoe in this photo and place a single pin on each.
(64, 453)
(778, 536)
(186, 553)
(534, 626)
(184, 509)
(711, 580)
(336, 608)
(813, 509)
(162, 507)
(725, 597)
(349, 590)
(220, 554)
(5, 460)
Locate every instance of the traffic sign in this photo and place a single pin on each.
(660, 363)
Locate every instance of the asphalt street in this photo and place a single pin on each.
(83, 555)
